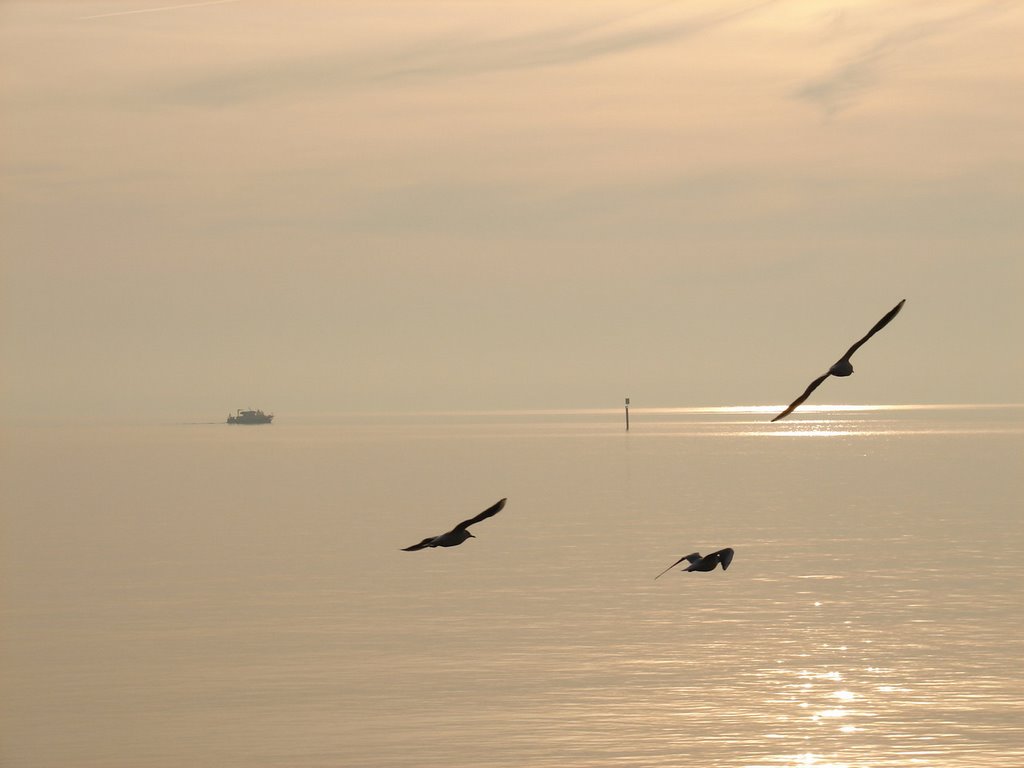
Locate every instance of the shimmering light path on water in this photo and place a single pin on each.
(211, 595)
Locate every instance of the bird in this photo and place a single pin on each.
(842, 367)
(459, 533)
(705, 563)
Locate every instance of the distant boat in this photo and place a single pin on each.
(250, 417)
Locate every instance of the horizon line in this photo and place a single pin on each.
(707, 410)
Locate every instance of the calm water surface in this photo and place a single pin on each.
(205, 595)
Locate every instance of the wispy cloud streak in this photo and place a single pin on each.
(839, 89)
(154, 10)
(454, 58)
(561, 46)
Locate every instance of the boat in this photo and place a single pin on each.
(250, 417)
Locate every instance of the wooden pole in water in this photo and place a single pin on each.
(627, 414)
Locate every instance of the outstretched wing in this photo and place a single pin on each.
(878, 326)
(807, 393)
(724, 557)
(693, 557)
(489, 512)
(421, 545)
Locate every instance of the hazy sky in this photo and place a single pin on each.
(313, 206)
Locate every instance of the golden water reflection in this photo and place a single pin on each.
(868, 629)
(844, 714)
(818, 421)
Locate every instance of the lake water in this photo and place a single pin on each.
(212, 595)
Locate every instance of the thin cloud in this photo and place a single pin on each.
(155, 10)
(453, 58)
(840, 88)
(561, 46)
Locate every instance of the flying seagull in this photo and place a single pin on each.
(842, 367)
(705, 563)
(459, 533)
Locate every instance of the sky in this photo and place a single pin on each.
(319, 206)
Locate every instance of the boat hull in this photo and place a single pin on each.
(250, 417)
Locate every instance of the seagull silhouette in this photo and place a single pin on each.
(705, 563)
(842, 367)
(458, 534)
